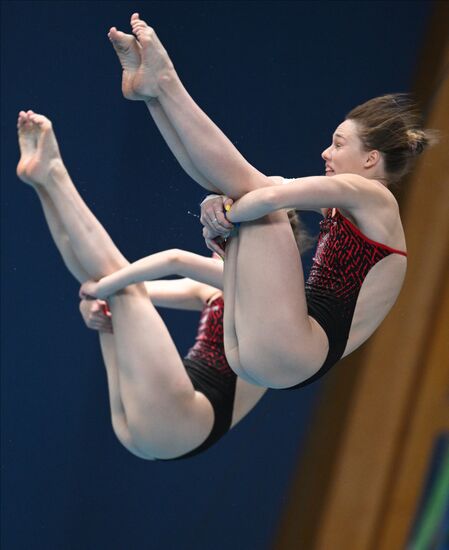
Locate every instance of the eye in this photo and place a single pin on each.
(338, 145)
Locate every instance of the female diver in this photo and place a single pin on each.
(162, 406)
(281, 332)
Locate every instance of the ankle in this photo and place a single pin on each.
(169, 81)
(57, 170)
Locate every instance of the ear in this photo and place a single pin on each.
(372, 159)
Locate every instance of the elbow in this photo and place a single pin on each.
(270, 200)
(175, 261)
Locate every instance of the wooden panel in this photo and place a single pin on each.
(310, 486)
(353, 481)
(429, 417)
(393, 363)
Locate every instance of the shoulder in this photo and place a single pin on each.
(370, 186)
(367, 192)
(377, 215)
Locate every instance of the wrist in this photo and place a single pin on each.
(152, 103)
(106, 287)
(209, 197)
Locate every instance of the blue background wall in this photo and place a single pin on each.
(277, 77)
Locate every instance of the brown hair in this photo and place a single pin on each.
(392, 125)
(302, 237)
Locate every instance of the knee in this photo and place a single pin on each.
(125, 437)
(157, 428)
(274, 367)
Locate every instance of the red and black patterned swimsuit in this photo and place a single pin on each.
(210, 373)
(208, 348)
(343, 258)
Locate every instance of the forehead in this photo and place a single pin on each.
(347, 129)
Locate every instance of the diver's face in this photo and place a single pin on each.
(345, 155)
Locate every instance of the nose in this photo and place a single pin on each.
(325, 154)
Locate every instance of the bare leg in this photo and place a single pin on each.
(41, 165)
(279, 344)
(285, 346)
(165, 417)
(211, 153)
(118, 415)
(230, 336)
(60, 237)
(128, 51)
(62, 242)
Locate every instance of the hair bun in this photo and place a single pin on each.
(416, 141)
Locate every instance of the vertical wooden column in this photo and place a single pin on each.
(362, 472)
(390, 391)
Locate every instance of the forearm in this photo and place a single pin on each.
(156, 266)
(176, 294)
(175, 144)
(210, 150)
(164, 264)
(253, 205)
(309, 193)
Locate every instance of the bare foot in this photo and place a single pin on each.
(155, 63)
(39, 151)
(128, 51)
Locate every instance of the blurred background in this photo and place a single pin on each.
(358, 461)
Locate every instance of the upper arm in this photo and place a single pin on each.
(279, 180)
(179, 293)
(200, 268)
(348, 191)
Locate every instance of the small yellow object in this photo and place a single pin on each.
(228, 207)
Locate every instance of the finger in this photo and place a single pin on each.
(211, 246)
(222, 221)
(215, 247)
(105, 309)
(214, 216)
(104, 306)
(100, 323)
(208, 233)
(97, 318)
(95, 307)
(216, 228)
(227, 203)
(213, 234)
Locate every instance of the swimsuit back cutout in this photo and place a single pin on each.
(344, 256)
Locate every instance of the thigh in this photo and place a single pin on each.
(246, 398)
(118, 417)
(165, 415)
(279, 344)
(231, 343)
